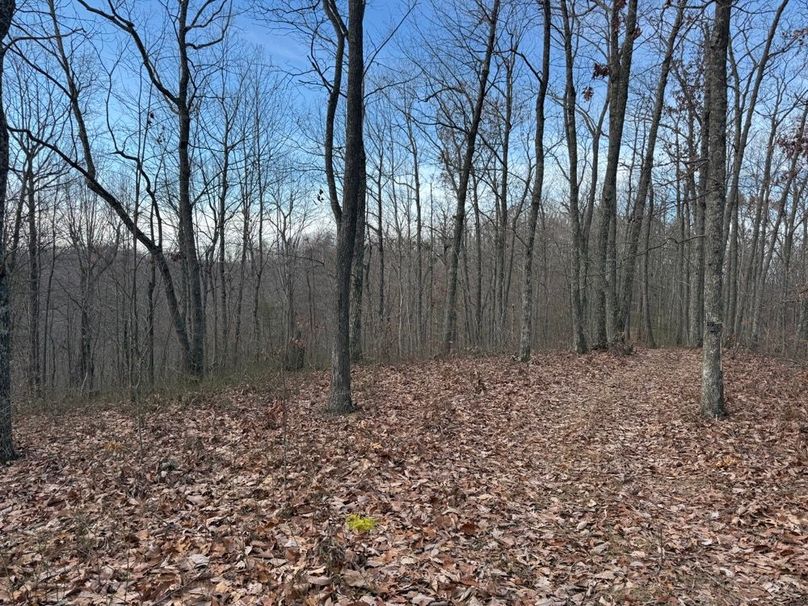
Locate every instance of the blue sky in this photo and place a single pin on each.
(285, 48)
(289, 50)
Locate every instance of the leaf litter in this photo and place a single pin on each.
(574, 480)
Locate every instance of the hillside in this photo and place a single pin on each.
(572, 480)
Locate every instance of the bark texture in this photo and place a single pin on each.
(340, 399)
(712, 399)
(7, 452)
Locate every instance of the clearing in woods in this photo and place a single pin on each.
(574, 480)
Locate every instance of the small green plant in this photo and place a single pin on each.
(359, 523)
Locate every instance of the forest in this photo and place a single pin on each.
(403, 302)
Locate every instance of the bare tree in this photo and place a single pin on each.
(526, 333)
(618, 71)
(466, 168)
(712, 399)
(197, 28)
(7, 452)
(635, 221)
(570, 128)
(340, 399)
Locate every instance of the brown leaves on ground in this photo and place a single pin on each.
(572, 480)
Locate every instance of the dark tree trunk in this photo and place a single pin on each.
(419, 264)
(478, 265)
(526, 332)
(340, 399)
(222, 260)
(579, 339)
(185, 205)
(86, 375)
(357, 352)
(245, 245)
(646, 292)
(699, 196)
(150, 286)
(450, 317)
(501, 231)
(635, 221)
(619, 72)
(716, 76)
(381, 314)
(7, 452)
(34, 378)
(47, 318)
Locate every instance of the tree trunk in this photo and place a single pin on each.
(357, 352)
(185, 205)
(86, 375)
(526, 331)
(450, 316)
(579, 339)
(478, 265)
(589, 209)
(716, 76)
(646, 292)
(699, 195)
(222, 260)
(340, 399)
(419, 270)
(48, 293)
(619, 72)
(242, 274)
(7, 451)
(381, 314)
(34, 379)
(635, 222)
(501, 233)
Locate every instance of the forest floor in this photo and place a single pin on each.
(572, 480)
